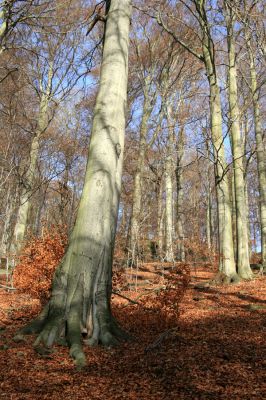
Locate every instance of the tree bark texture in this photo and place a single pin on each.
(27, 190)
(226, 246)
(81, 291)
(242, 254)
(179, 197)
(138, 177)
(260, 151)
(169, 253)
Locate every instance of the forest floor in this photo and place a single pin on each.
(210, 346)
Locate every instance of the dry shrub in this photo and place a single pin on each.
(199, 253)
(39, 259)
(176, 284)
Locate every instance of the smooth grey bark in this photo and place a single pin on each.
(7, 228)
(209, 199)
(226, 246)
(138, 177)
(180, 196)
(233, 211)
(260, 149)
(168, 179)
(81, 291)
(160, 216)
(27, 190)
(209, 219)
(242, 254)
(4, 25)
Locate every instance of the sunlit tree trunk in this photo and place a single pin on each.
(169, 253)
(242, 254)
(160, 212)
(179, 197)
(226, 246)
(82, 285)
(233, 211)
(3, 25)
(260, 150)
(27, 190)
(209, 218)
(137, 189)
(7, 228)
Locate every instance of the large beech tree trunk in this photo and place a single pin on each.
(81, 291)
(243, 267)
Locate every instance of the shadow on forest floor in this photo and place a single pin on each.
(214, 353)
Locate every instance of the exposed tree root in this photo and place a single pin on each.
(223, 279)
(69, 332)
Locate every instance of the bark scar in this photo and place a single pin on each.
(118, 149)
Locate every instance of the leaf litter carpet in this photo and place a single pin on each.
(214, 347)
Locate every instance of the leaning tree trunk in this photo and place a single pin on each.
(243, 266)
(81, 291)
(260, 152)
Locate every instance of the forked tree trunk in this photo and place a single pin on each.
(243, 267)
(81, 291)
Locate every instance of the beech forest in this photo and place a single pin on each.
(132, 199)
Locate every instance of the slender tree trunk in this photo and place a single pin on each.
(243, 267)
(169, 253)
(160, 217)
(248, 220)
(233, 211)
(226, 246)
(7, 230)
(260, 152)
(179, 197)
(137, 190)
(82, 285)
(3, 26)
(209, 228)
(27, 191)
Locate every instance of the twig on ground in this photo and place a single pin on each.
(126, 298)
(159, 340)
